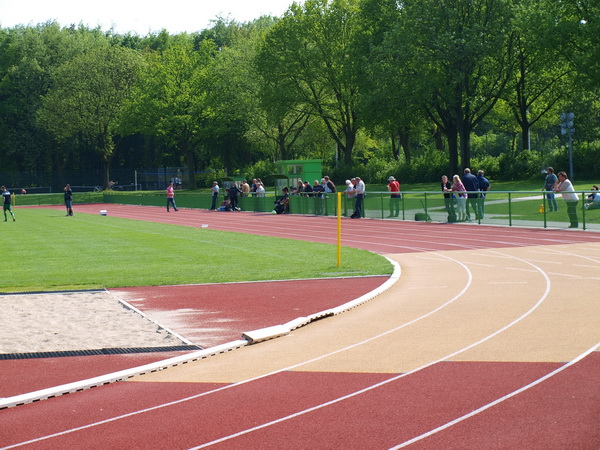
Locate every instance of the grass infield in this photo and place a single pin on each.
(44, 250)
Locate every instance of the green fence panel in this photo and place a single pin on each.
(500, 207)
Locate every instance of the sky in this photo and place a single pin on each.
(137, 16)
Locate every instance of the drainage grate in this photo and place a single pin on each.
(102, 351)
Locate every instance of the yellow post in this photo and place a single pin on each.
(339, 229)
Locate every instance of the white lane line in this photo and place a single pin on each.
(499, 400)
(390, 380)
(239, 383)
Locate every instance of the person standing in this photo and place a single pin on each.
(234, 192)
(461, 197)
(549, 182)
(448, 200)
(7, 203)
(472, 186)
(565, 187)
(69, 199)
(245, 188)
(215, 194)
(484, 187)
(359, 190)
(394, 189)
(171, 197)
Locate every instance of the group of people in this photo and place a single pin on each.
(460, 196)
(465, 194)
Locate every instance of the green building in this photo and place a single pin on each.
(293, 170)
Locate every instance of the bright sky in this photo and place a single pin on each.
(138, 16)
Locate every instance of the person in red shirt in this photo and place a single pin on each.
(394, 188)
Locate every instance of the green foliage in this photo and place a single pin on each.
(450, 82)
(526, 165)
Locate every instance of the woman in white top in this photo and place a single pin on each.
(565, 187)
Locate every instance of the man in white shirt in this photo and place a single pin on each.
(565, 187)
(359, 190)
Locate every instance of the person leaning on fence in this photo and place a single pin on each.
(549, 183)
(359, 191)
(565, 187)
(260, 189)
(69, 199)
(484, 187)
(328, 185)
(215, 194)
(245, 188)
(171, 197)
(234, 192)
(461, 197)
(394, 190)
(448, 200)
(307, 189)
(7, 203)
(318, 189)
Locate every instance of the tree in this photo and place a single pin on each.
(30, 55)
(388, 97)
(462, 58)
(307, 53)
(540, 75)
(170, 98)
(87, 99)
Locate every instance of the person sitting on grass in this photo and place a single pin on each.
(593, 200)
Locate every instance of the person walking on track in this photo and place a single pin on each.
(171, 197)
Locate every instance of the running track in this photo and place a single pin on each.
(489, 340)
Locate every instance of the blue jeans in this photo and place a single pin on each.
(552, 203)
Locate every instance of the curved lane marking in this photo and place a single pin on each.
(239, 383)
(390, 380)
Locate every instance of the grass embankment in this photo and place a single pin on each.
(44, 250)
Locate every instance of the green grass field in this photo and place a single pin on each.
(44, 250)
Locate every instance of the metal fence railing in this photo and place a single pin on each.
(507, 208)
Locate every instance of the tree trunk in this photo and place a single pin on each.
(404, 136)
(452, 136)
(395, 149)
(465, 147)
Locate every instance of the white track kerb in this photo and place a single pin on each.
(249, 337)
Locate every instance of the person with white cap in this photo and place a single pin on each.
(394, 189)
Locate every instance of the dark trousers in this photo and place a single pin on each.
(171, 201)
(213, 205)
(358, 206)
(473, 202)
(572, 212)
(552, 203)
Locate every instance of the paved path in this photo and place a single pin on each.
(489, 340)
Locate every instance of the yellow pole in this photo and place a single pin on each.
(339, 229)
